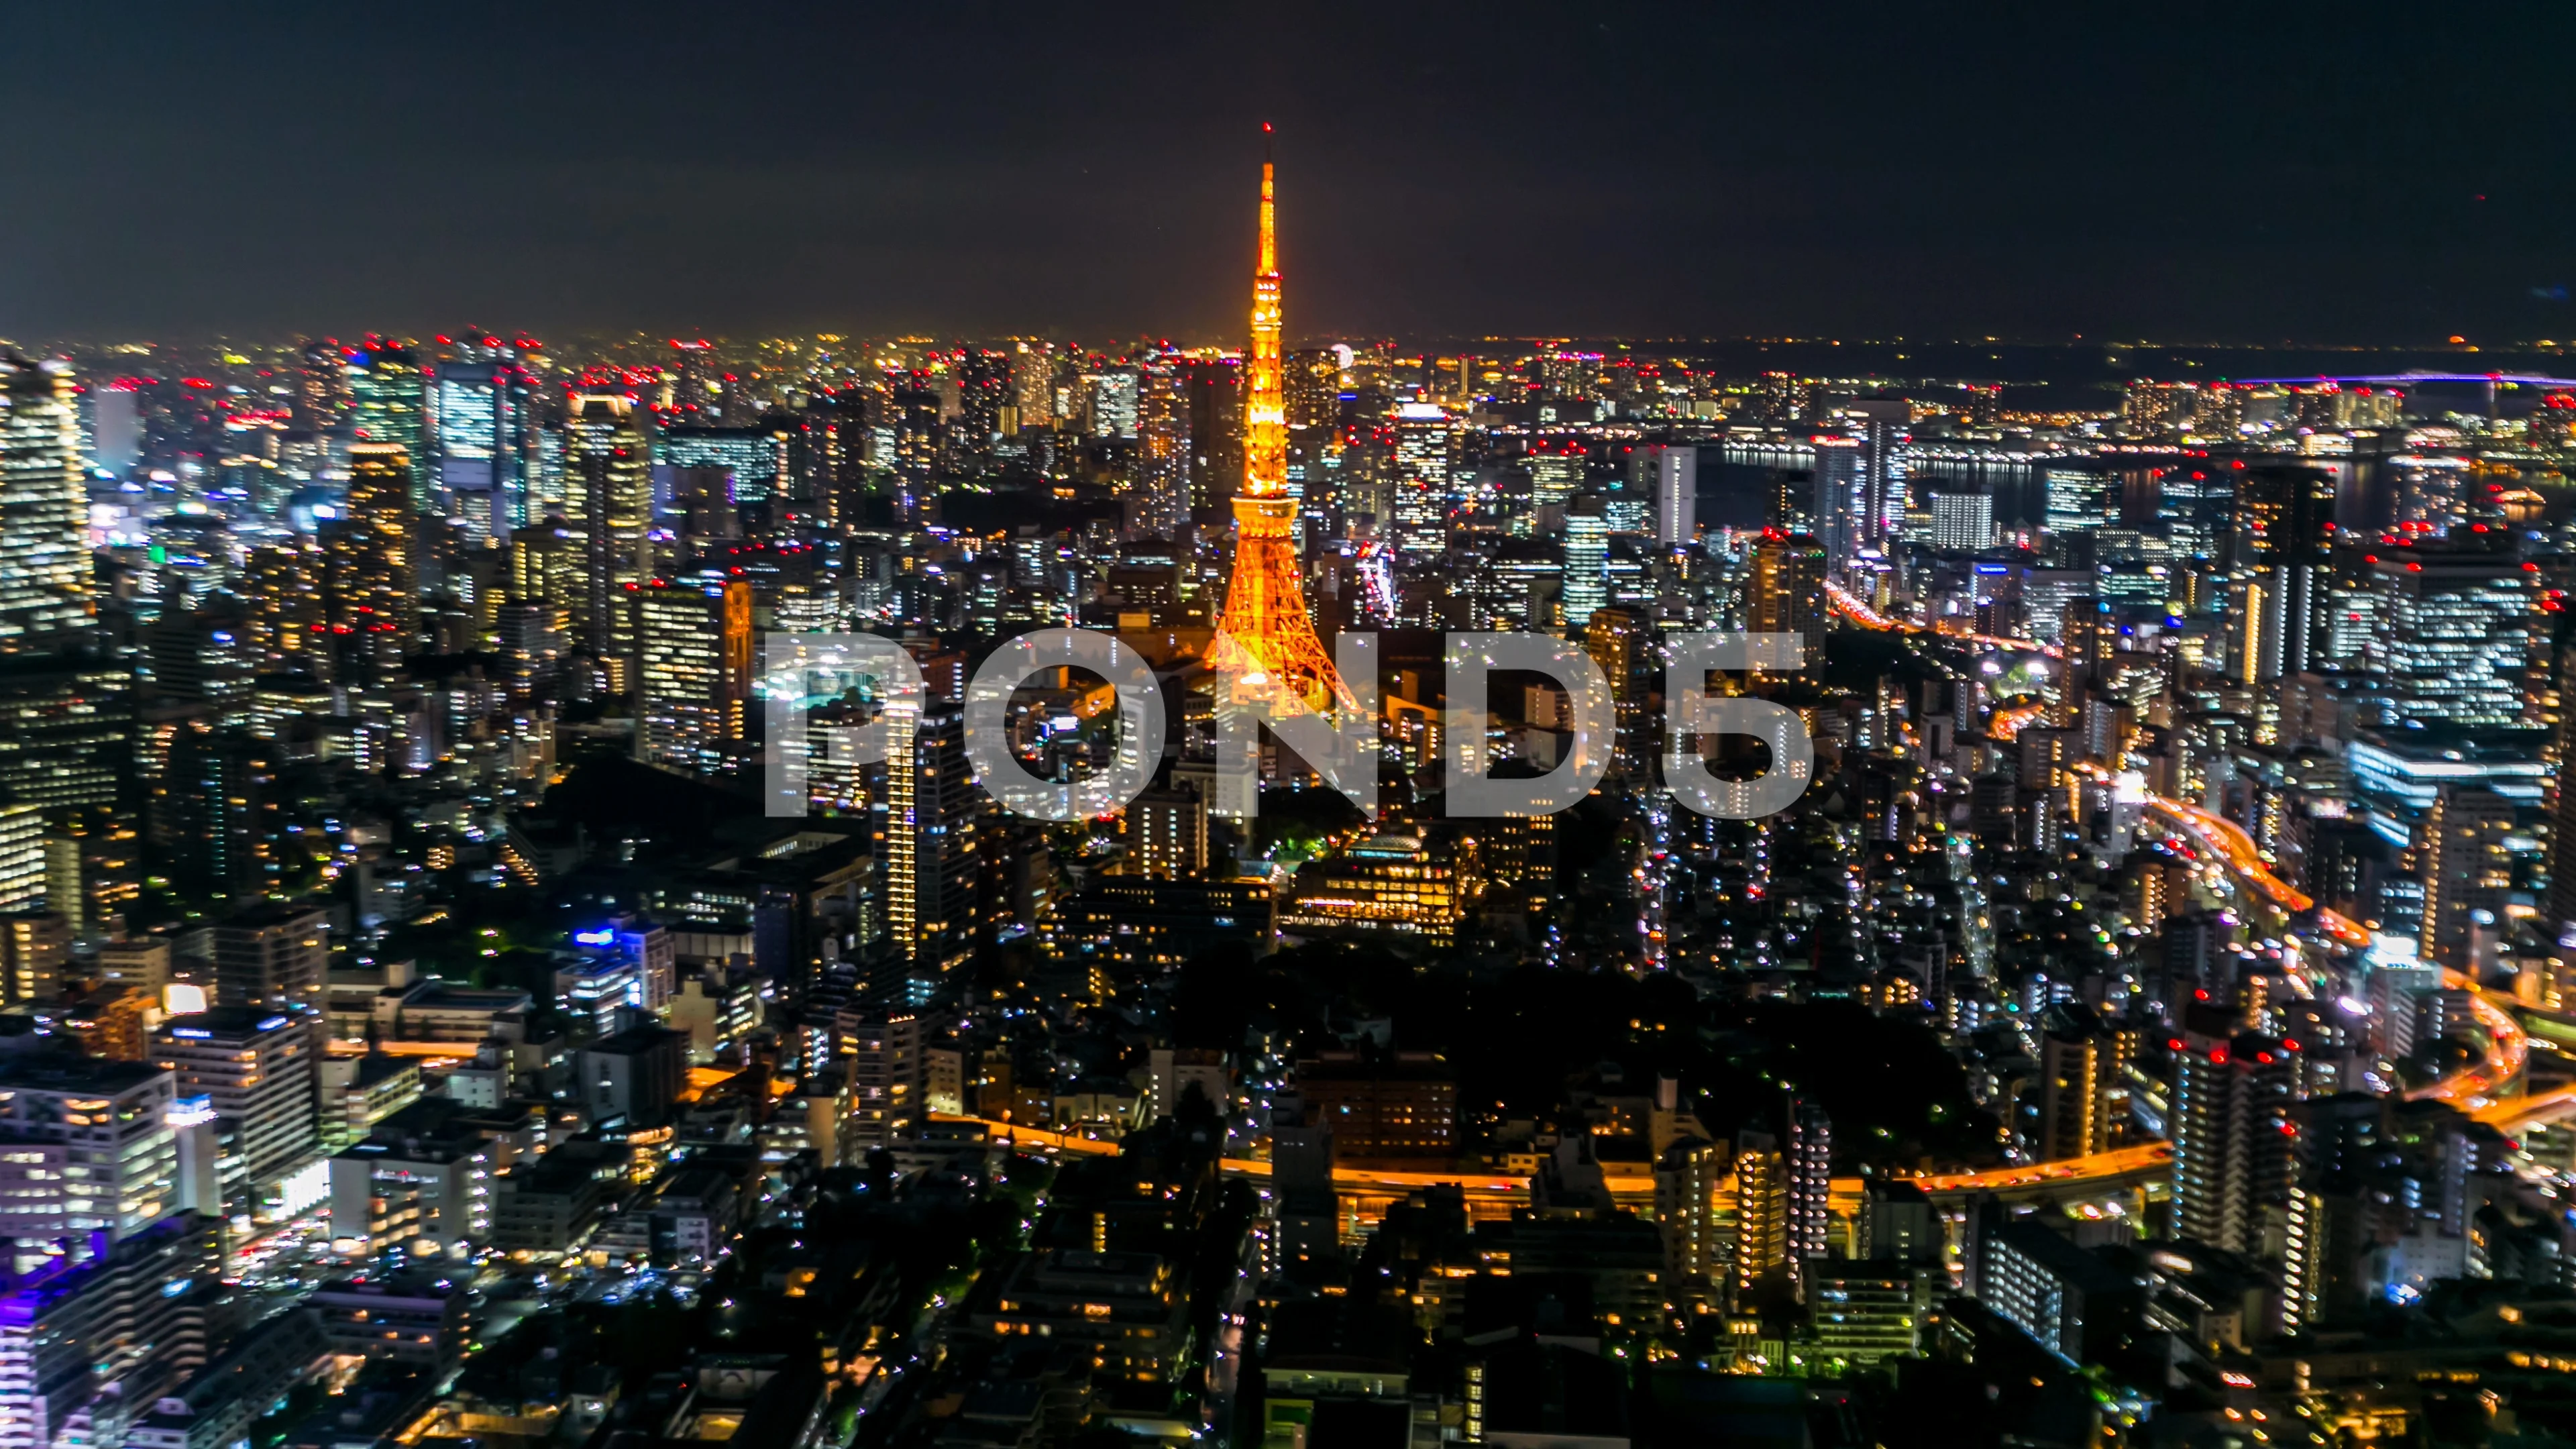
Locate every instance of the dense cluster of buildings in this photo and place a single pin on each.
(420, 1022)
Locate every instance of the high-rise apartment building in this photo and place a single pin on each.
(2076, 1071)
(44, 512)
(1807, 1158)
(2232, 1158)
(1167, 833)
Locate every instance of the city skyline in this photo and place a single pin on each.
(1908, 849)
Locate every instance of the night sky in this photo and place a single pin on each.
(2167, 171)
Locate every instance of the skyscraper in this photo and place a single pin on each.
(609, 482)
(2078, 500)
(1109, 402)
(1587, 560)
(1422, 441)
(374, 575)
(2456, 641)
(44, 516)
(693, 672)
(1838, 497)
(1556, 472)
(2467, 869)
(1033, 384)
(1881, 426)
(480, 408)
(1786, 594)
(930, 834)
(390, 403)
(1676, 495)
(63, 728)
(1265, 641)
(2283, 547)
(1212, 393)
(1161, 482)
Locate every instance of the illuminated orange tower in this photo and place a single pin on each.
(1265, 638)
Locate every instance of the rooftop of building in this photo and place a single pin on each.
(46, 1072)
(273, 914)
(232, 1023)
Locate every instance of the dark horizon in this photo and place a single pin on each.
(1622, 170)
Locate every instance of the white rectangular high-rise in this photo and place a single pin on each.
(1677, 496)
(44, 512)
(1963, 522)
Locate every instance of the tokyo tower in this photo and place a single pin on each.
(1265, 643)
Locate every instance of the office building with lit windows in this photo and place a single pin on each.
(255, 1068)
(1422, 469)
(24, 879)
(389, 409)
(1963, 522)
(271, 956)
(1587, 561)
(85, 1147)
(608, 495)
(756, 458)
(693, 653)
(930, 835)
(2075, 1304)
(481, 409)
(372, 551)
(2457, 644)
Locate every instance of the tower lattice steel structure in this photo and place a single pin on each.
(1265, 642)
